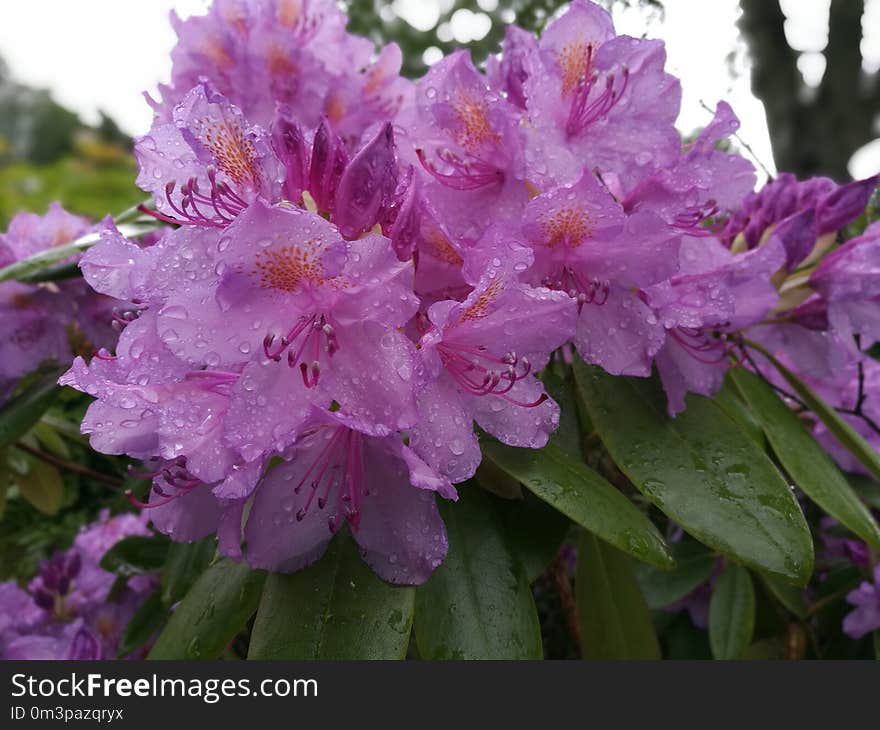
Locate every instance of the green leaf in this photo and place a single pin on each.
(732, 613)
(5, 478)
(42, 486)
(135, 555)
(702, 471)
(146, 622)
(877, 645)
(50, 439)
(185, 562)
(614, 617)
(583, 495)
(846, 434)
(567, 436)
(804, 459)
(22, 412)
(534, 531)
(788, 595)
(214, 610)
(478, 604)
(868, 489)
(693, 566)
(335, 609)
(731, 403)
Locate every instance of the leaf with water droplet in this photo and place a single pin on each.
(846, 434)
(804, 459)
(335, 609)
(583, 495)
(702, 470)
(214, 610)
(478, 604)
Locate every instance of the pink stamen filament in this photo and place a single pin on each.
(216, 210)
(480, 373)
(305, 335)
(339, 463)
(699, 346)
(694, 216)
(592, 291)
(582, 114)
(175, 475)
(466, 174)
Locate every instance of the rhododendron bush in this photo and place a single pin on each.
(447, 367)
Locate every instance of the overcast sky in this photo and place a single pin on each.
(100, 54)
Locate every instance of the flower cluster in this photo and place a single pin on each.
(361, 268)
(67, 611)
(37, 321)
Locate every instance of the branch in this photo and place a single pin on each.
(70, 465)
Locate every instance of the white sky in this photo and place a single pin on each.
(100, 54)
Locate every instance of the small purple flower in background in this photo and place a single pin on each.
(66, 612)
(35, 320)
(865, 618)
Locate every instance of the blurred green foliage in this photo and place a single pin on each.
(377, 20)
(83, 185)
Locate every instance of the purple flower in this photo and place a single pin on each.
(832, 207)
(469, 143)
(865, 618)
(205, 165)
(66, 612)
(338, 474)
(715, 293)
(839, 548)
(848, 279)
(34, 319)
(586, 246)
(481, 355)
(598, 101)
(296, 53)
(703, 183)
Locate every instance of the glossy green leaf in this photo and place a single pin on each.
(335, 609)
(5, 478)
(614, 617)
(478, 604)
(730, 401)
(135, 555)
(42, 486)
(732, 613)
(805, 460)
(535, 531)
(702, 471)
(146, 622)
(693, 566)
(568, 435)
(22, 412)
(577, 491)
(214, 610)
(788, 595)
(846, 434)
(868, 489)
(185, 562)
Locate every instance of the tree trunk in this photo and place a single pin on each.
(813, 131)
